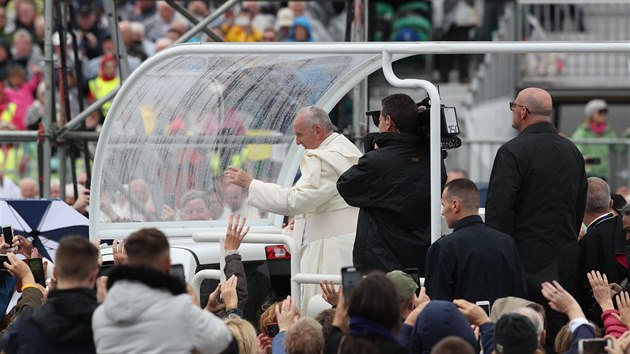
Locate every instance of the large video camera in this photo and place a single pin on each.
(449, 128)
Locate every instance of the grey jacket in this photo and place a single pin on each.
(145, 314)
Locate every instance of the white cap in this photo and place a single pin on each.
(285, 17)
(594, 106)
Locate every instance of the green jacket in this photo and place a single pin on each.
(602, 151)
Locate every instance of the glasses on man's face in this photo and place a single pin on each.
(514, 105)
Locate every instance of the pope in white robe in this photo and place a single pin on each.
(325, 225)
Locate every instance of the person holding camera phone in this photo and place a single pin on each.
(474, 262)
(152, 310)
(391, 186)
(63, 323)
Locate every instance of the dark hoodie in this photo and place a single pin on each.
(440, 319)
(62, 325)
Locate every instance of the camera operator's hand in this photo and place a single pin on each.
(19, 269)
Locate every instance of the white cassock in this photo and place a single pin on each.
(325, 225)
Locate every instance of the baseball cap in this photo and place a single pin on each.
(285, 17)
(405, 286)
(515, 334)
(595, 106)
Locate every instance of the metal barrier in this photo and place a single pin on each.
(478, 155)
(584, 20)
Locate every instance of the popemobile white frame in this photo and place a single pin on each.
(383, 54)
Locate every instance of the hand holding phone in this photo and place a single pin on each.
(272, 329)
(37, 268)
(594, 346)
(7, 232)
(485, 305)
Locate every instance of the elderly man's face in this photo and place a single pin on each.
(195, 209)
(305, 135)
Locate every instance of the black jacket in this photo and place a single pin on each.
(474, 263)
(63, 324)
(391, 185)
(602, 248)
(537, 194)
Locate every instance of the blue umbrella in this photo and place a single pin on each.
(47, 221)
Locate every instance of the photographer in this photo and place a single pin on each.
(391, 185)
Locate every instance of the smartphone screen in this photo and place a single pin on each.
(37, 268)
(485, 305)
(7, 232)
(272, 330)
(414, 273)
(593, 346)
(177, 271)
(350, 276)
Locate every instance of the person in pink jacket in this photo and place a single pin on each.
(22, 92)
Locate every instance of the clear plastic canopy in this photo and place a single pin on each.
(186, 115)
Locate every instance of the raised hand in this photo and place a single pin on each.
(235, 234)
(623, 303)
(601, 289)
(286, 314)
(328, 292)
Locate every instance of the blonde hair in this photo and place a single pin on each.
(244, 334)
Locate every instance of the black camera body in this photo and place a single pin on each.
(449, 124)
(448, 120)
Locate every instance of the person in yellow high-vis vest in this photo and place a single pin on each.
(106, 81)
(12, 161)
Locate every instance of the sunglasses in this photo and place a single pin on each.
(374, 115)
(514, 105)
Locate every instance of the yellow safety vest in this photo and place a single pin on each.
(100, 88)
(9, 113)
(10, 162)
